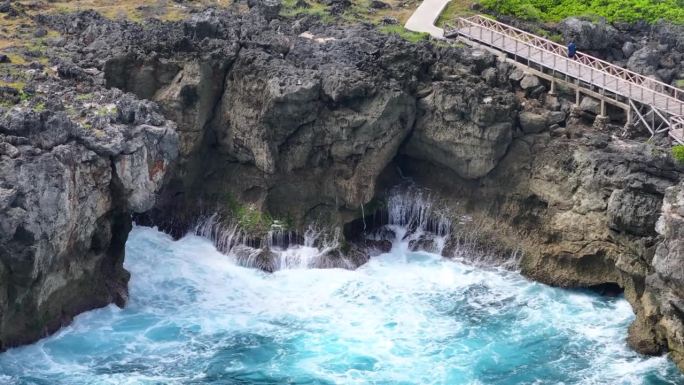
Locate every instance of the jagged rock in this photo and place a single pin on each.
(389, 20)
(586, 34)
(644, 60)
(5, 6)
(532, 123)
(4, 59)
(590, 104)
(634, 211)
(529, 82)
(269, 8)
(490, 76)
(65, 210)
(666, 74)
(628, 49)
(517, 75)
(40, 32)
(377, 4)
(467, 131)
(555, 117)
(666, 284)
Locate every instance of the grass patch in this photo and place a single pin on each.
(455, 9)
(82, 97)
(678, 153)
(404, 33)
(249, 218)
(16, 84)
(292, 8)
(16, 59)
(612, 10)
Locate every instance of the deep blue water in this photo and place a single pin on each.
(195, 317)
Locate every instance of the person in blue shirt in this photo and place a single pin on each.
(572, 50)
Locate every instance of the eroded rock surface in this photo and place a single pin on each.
(67, 191)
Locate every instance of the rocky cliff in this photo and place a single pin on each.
(68, 186)
(289, 121)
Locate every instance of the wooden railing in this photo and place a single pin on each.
(639, 87)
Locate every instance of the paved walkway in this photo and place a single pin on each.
(424, 18)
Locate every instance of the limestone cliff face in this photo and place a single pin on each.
(467, 129)
(297, 119)
(666, 283)
(67, 191)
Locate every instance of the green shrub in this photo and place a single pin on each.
(678, 153)
(613, 10)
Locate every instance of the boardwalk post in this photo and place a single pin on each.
(516, 51)
(553, 87)
(577, 93)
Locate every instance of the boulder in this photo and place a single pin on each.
(644, 60)
(555, 117)
(589, 104)
(377, 4)
(628, 49)
(529, 82)
(588, 35)
(516, 75)
(532, 123)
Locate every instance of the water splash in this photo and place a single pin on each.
(225, 234)
(279, 250)
(416, 210)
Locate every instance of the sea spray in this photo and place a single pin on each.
(279, 249)
(423, 222)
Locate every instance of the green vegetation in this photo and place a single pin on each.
(404, 33)
(613, 10)
(252, 220)
(106, 110)
(678, 153)
(82, 97)
(456, 8)
(293, 8)
(249, 218)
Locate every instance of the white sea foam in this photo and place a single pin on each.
(196, 317)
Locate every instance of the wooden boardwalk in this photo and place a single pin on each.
(652, 103)
(423, 19)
